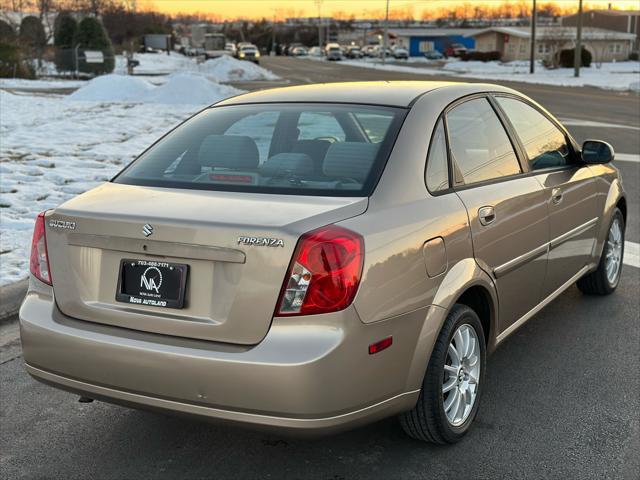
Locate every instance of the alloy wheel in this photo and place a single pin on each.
(461, 375)
(613, 255)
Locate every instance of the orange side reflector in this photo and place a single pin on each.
(381, 345)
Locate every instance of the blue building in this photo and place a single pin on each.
(421, 40)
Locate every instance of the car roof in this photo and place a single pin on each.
(388, 93)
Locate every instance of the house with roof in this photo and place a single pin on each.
(626, 21)
(513, 43)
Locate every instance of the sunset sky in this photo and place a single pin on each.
(231, 9)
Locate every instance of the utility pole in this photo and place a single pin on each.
(577, 54)
(319, 4)
(532, 58)
(385, 34)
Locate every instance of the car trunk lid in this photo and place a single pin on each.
(237, 246)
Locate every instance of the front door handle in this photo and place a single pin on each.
(486, 215)
(556, 196)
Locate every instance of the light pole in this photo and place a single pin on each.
(384, 36)
(532, 57)
(273, 38)
(577, 54)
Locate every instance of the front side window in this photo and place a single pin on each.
(545, 144)
(437, 166)
(479, 143)
(301, 149)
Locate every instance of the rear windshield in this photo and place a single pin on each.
(298, 149)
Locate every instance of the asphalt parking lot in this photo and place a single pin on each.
(561, 399)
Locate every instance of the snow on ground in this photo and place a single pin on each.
(222, 69)
(54, 148)
(179, 88)
(611, 76)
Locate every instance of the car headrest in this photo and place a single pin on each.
(229, 151)
(281, 164)
(316, 149)
(350, 160)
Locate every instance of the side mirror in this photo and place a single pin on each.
(596, 151)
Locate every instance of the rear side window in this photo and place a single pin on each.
(545, 144)
(437, 174)
(479, 143)
(301, 149)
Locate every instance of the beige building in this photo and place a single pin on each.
(627, 21)
(513, 42)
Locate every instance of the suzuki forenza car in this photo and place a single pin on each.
(315, 258)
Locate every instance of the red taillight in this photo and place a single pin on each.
(39, 262)
(324, 274)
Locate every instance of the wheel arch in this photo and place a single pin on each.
(615, 199)
(622, 205)
(469, 284)
(464, 283)
(478, 299)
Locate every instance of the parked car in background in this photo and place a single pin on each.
(315, 52)
(376, 52)
(194, 51)
(433, 55)
(455, 50)
(368, 50)
(231, 48)
(249, 52)
(288, 49)
(319, 257)
(399, 52)
(300, 52)
(353, 52)
(333, 51)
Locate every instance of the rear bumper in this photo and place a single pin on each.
(307, 375)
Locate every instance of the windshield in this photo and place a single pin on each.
(302, 149)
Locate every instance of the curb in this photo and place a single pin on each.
(11, 297)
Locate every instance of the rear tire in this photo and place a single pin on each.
(430, 420)
(604, 280)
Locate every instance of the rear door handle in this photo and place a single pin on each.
(486, 215)
(556, 196)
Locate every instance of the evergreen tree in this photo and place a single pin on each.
(7, 34)
(65, 28)
(91, 35)
(32, 36)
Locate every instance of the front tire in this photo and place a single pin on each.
(606, 278)
(452, 385)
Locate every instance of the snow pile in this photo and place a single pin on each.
(489, 68)
(180, 88)
(228, 69)
(222, 69)
(610, 76)
(53, 149)
(191, 89)
(113, 88)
